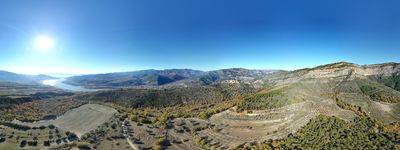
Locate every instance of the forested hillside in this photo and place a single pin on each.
(170, 97)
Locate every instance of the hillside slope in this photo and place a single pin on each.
(6, 76)
(170, 78)
(370, 88)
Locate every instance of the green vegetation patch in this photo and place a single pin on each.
(378, 92)
(169, 97)
(390, 81)
(268, 100)
(330, 132)
(326, 132)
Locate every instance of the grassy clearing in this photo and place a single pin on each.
(80, 120)
(85, 118)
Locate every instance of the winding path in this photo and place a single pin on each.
(131, 144)
(127, 136)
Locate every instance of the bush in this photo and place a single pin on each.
(179, 129)
(46, 143)
(32, 143)
(42, 127)
(51, 126)
(163, 141)
(2, 140)
(204, 115)
(82, 145)
(158, 147)
(133, 117)
(23, 143)
(331, 132)
(15, 126)
(72, 136)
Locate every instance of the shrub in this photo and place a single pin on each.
(51, 126)
(162, 141)
(179, 129)
(2, 140)
(82, 145)
(46, 143)
(158, 147)
(23, 143)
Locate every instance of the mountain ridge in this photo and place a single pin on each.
(167, 77)
(6, 76)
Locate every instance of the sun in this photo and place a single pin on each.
(44, 43)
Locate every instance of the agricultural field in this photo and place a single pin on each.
(85, 118)
(80, 120)
(41, 137)
(234, 129)
(66, 129)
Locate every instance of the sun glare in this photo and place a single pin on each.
(44, 43)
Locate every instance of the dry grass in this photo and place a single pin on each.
(80, 120)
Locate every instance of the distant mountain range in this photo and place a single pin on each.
(166, 78)
(6, 76)
(171, 78)
(371, 88)
(331, 89)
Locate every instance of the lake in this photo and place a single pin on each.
(58, 83)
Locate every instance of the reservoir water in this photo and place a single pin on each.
(58, 83)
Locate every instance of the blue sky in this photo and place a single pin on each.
(107, 36)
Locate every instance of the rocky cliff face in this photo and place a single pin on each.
(336, 70)
(344, 69)
(387, 69)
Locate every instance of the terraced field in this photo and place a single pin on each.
(35, 138)
(80, 120)
(384, 112)
(238, 128)
(371, 97)
(85, 118)
(146, 135)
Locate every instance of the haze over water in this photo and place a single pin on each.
(58, 83)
